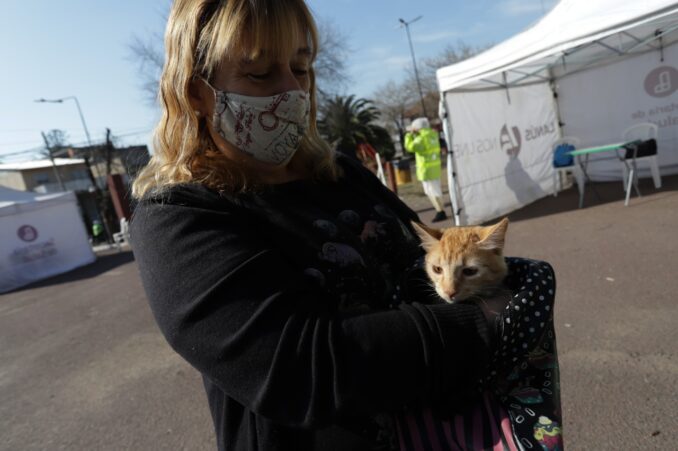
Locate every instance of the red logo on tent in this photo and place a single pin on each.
(510, 144)
(662, 81)
(27, 233)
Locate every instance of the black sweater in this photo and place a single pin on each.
(299, 306)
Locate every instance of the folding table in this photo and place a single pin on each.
(579, 153)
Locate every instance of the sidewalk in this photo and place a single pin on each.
(413, 195)
(106, 248)
(597, 194)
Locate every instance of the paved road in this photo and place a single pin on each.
(82, 366)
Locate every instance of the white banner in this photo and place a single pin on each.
(502, 143)
(599, 104)
(41, 239)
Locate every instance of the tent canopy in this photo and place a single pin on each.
(42, 235)
(574, 35)
(12, 201)
(9, 196)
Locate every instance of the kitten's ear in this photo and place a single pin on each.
(429, 236)
(494, 238)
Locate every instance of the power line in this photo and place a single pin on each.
(18, 130)
(76, 144)
(80, 142)
(21, 152)
(16, 143)
(119, 135)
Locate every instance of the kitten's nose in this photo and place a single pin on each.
(451, 293)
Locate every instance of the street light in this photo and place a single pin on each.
(414, 61)
(84, 125)
(82, 118)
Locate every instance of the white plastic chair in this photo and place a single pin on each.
(123, 235)
(643, 132)
(574, 167)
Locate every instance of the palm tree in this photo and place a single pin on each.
(347, 122)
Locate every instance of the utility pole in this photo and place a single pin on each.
(84, 126)
(414, 61)
(105, 196)
(109, 152)
(51, 157)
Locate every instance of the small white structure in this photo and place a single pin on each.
(42, 235)
(588, 69)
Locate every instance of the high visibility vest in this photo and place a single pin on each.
(426, 148)
(97, 229)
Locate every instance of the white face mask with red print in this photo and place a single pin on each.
(268, 129)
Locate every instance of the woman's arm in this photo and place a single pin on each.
(244, 316)
(414, 142)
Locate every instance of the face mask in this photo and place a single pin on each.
(269, 129)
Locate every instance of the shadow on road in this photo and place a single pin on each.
(103, 263)
(596, 194)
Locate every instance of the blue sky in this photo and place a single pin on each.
(53, 49)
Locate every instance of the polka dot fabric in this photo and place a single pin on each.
(520, 403)
(525, 318)
(525, 375)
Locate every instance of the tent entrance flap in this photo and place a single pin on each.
(502, 155)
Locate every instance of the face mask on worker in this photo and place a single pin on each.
(269, 129)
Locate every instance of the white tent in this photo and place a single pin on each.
(590, 69)
(42, 235)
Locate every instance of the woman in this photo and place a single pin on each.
(278, 272)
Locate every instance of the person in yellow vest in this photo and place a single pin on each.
(424, 142)
(97, 232)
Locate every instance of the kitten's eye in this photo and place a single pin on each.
(470, 271)
(437, 269)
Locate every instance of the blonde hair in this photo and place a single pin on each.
(199, 33)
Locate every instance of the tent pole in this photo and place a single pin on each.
(635, 38)
(451, 175)
(556, 103)
(609, 47)
(508, 96)
(654, 37)
(661, 45)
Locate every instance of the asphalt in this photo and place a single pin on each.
(83, 366)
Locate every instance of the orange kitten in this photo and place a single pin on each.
(465, 262)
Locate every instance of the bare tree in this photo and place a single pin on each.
(148, 55)
(330, 64)
(451, 54)
(393, 95)
(55, 140)
(393, 101)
